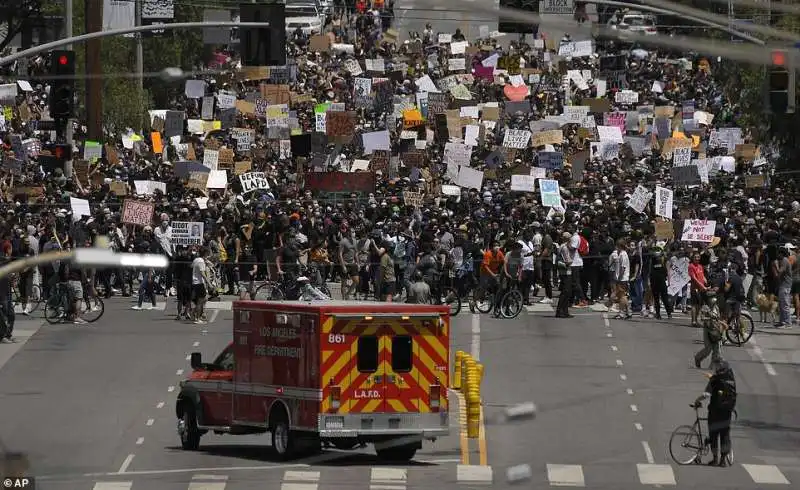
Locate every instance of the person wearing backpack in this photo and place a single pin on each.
(721, 389)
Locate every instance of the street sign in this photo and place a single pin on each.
(557, 7)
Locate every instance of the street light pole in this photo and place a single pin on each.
(139, 51)
(68, 20)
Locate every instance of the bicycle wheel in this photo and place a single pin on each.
(483, 299)
(35, 298)
(452, 300)
(269, 291)
(511, 304)
(685, 445)
(94, 311)
(741, 331)
(54, 310)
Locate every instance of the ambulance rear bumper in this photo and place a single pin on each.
(427, 425)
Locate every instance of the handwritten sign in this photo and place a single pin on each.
(137, 212)
(253, 181)
(698, 230)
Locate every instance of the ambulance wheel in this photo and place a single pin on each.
(397, 454)
(188, 430)
(282, 437)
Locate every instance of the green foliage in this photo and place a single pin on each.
(123, 105)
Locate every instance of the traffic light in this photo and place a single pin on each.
(62, 85)
(57, 157)
(781, 80)
(263, 46)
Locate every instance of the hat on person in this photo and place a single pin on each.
(789, 246)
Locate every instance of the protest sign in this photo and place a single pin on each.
(698, 230)
(550, 193)
(340, 124)
(678, 275)
(523, 183)
(412, 198)
(552, 160)
(664, 202)
(187, 233)
(516, 138)
(137, 212)
(640, 198)
(253, 181)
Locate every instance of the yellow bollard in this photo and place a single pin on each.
(465, 367)
(457, 370)
(480, 372)
(473, 414)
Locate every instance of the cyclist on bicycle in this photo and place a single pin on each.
(721, 388)
(512, 271)
(493, 260)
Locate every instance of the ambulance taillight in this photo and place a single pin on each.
(436, 395)
(336, 395)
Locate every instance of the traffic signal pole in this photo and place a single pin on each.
(94, 70)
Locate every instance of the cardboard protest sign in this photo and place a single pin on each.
(187, 232)
(242, 167)
(340, 125)
(412, 198)
(225, 158)
(198, 180)
(138, 213)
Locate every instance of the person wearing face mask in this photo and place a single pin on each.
(347, 261)
(697, 279)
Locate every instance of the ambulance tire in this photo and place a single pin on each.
(397, 454)
(190, 438)
(283, 440)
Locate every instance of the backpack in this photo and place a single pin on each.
(399, 250)
(583, 247)
(724, 395)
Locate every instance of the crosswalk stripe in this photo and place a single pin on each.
(113, 485)
(388, 478)
(767, 474)
(466, 473)
(565, 475)
(656, 474)
(205, 482)
(300, 480)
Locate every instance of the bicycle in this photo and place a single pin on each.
(511, 303)
(740, 329)
(691, 438)
(58, 305)
(268, 291)
(34, 297)
(448, 296)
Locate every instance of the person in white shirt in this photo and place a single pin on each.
(622, 278)
(529, 252)
(578, 294)
(199, 284)
(163, 234)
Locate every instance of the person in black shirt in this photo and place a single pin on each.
(721, 389)
(183, 281)
(658, 282)
(7, 303)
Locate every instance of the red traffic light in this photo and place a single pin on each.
(63, 60)
(59, 152)
(778, 58)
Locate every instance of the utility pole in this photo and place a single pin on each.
(139, 51)
(68, 21)
(94, 70)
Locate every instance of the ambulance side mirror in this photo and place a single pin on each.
(196, 360)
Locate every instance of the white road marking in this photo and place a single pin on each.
(474, 473)
(648, 453)
(619, 362)
(756, 349)
(623, 377)
(655, 474)
(196, 344)
(208, 482)
(188, 357)
(614, 348)
(565, 475)
(160, 405)
(308, 480)
(630, 391)
(171, 389)
(140, 441)
(150, 422)
(179, 372)
(606, 322)
(634, 408)
(113, 485)
(767, 474)
(389, 475)
(213, 316)
(638, 426)
(519, 473)
(609, 334)
(125, 464)
(475, 348)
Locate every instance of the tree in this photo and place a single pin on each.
(15, 16)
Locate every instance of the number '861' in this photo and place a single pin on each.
(336, 338)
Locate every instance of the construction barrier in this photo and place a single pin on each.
(456, 382)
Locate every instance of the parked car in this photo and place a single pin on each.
(636, 22)
(306, 16)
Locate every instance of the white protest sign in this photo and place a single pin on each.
(626, 97)
(211, 159)
(516, 138)
(698, 230)
(681, 157)
(678, 275)
(523, 183)
(664, 202)
(640, 198)
(612, 134)
(252, 181)
(187, 232)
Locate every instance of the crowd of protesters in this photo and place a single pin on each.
(387, 163)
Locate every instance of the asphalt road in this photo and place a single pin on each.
(91, 407)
